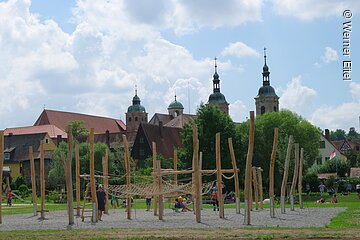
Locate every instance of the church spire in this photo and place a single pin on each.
(265, 73)
(216, 80)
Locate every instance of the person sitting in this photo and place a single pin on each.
(321, 200)
(181, 203)
(334, 199)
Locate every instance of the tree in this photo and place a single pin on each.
(307, 135)
(352, 134)
(210, 121)
(77, 129)
(339, 134)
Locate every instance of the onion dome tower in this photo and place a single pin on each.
(217, 98)
(266, 100)
(175, 108)
(135, 115)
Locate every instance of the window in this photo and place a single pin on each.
(6, 156)
(262, 110)
(141, 152)
(357, 148)
(322, 144)
(275, 109)
(327, 158)
(129, 119)
(136, 118)
(319, 161)
(141, 140)
(46, 141)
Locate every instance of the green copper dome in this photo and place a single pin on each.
(176, 105)
(267, 91)
(217, 97)
(136, 107)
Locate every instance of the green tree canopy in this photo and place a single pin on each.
(289, 123)
(337, 135)
(77, 129)
(210, 121)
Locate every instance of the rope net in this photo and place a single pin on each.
(152, 189)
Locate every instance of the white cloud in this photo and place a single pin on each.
(330, 55)
(238, 111)
(239, 49)
(308, 9)
(343, 116)
(297, 97)
(355, 91)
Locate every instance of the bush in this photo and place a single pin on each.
(313, 181)
(18, 182)
(23, 190)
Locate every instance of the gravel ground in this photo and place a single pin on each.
(311, 217)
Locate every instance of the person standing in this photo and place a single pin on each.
(148, 202)
(101, 198)
(214, 198)
(322, 188)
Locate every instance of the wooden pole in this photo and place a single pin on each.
(69, 185)
(106, 179)
(175, 166)
(219, 177)
(1, 169)
(236, 175)
(154, 176)
(286, 173)
(196, 175)
(92, 178)
(128, 177)
(247, 218)
(294, 181)
(259, 172)
(200, 179)
(256, 190)
(161, 201)
(42, 181)
(271, 173)
(77, 173)
(300, 177)
(33, 179)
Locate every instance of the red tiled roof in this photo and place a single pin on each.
(166, 138)
(52, 130)
(61, 120)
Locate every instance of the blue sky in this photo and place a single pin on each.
(87, 55)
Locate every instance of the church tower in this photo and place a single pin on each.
(266, 100)
(175, 108)
(217, 98)
(135, 115)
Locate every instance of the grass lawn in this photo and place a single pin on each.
(345, 225)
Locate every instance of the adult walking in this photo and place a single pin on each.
(101, 198)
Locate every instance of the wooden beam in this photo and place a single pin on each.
(286, 173)
(42, 181)
(69, 185)
(128, 176)
(92, 178)
(261, 198)
(219, 177)
(236, 176)
(160, 186)
(1, 169)
(106, 179)
(295, 175)
(154, 158)
(77, 174)
(33, 179)
(249, 157)
(271, 173)
(300, 177)
(256, 190)
(197, 207)
(175, 166)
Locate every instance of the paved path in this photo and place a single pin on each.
(311, 217)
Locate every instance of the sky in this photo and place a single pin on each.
(87, 56)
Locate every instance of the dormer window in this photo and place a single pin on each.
(46, 141)
(7, 156)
